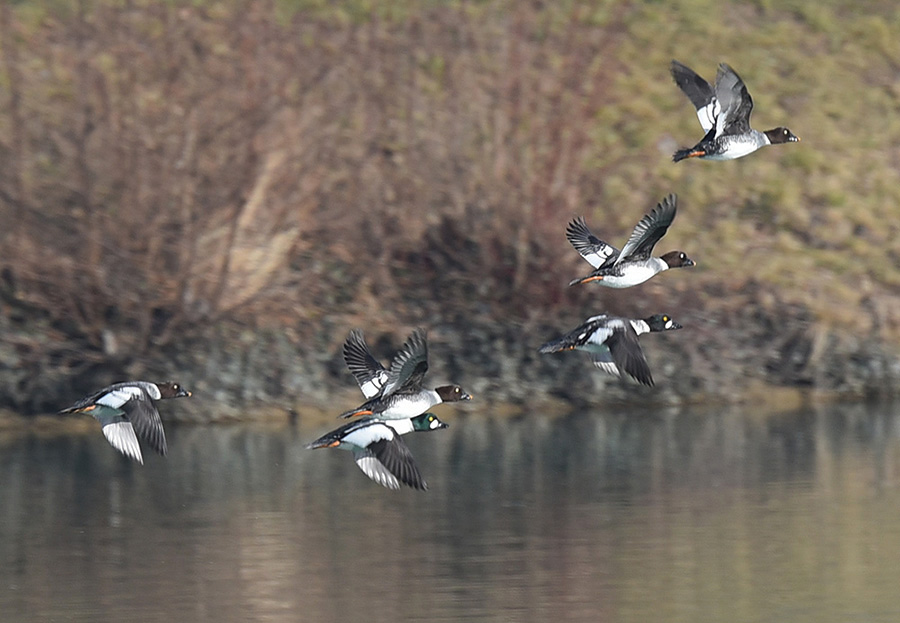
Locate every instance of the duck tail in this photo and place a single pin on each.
(328, 441)
(692, 152)
(587, 279)
(354, 412)
(68, 410)
(558, 345)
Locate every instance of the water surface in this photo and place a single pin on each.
(642, 516)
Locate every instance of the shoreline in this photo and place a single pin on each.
(770, 401)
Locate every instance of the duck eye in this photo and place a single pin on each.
(665, 319)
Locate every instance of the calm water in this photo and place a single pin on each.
(669, 517)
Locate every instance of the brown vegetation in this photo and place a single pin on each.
(169, 166)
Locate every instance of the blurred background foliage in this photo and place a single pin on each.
(303, 166)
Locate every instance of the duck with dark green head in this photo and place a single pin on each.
(379, 450)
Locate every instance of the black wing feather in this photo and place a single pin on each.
(370, 375)
(627, 354)
(735, 100)
(650, 229)
(144, 417)
(395, 455)
(595, 251)
(698, 90)
(409, 367)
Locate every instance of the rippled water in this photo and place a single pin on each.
(646, 516)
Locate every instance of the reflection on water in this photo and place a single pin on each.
(591, 517)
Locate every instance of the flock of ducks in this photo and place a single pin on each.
(396, 403)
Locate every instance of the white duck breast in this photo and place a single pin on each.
(734, 147)
(367, 435)
(411, 405)
(637, 274)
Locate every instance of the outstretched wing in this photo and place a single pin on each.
(605, 362)
(119, 433)
(590, 247)
(368, 371)
(144, 417)
(735, 102)
(409, 366)
(627, 354)
(650, 229)
(700, 92)
(388, 461)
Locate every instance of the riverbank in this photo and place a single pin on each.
(778, 360)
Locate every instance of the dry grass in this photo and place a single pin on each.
(171, 165)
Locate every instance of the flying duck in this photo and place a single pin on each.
(634, 264)
(379, 450)
(396, 393)
(613, 343)
(724, 113)
(126, 411)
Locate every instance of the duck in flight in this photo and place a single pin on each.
(127, 411)
(724, 113)
(634, 264)
(379, 449)
(397, 392)
(613, 343)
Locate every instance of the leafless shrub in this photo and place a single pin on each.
(177, 165)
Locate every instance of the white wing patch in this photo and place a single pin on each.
(118, 397)
(374, 385)
(121, 436)
(605, 362)
(373, 468)
(602, 334)
(598, 255)
(708, 114)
